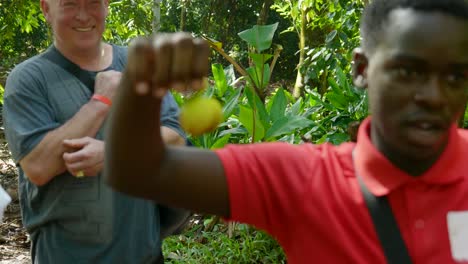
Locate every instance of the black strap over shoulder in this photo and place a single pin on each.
(386, 227)
(53, 55)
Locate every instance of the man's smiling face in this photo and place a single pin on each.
(77, 24)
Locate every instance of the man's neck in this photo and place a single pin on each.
(95, 59)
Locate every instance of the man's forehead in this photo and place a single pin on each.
(426, 33)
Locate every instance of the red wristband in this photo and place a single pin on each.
(102, 99)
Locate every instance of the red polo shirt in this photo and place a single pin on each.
(308, 198)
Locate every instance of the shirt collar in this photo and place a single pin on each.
(382, 177)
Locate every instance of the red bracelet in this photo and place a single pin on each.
(102, 99)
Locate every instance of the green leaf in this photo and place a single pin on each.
(231, 103)
(246, 117)
(259, 37)
(260, 59)
(331, 36)
(220, 78)
(256, 103)
(279, 105)
(260, 79)
(221, 142)
(287, 125)
(297, 107)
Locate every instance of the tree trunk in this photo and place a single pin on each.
(299, 85)
(263, 17)
(183, 14)
(206, 24)
(156, 15)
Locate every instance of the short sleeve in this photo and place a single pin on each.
(170, 114)
(267, 182)
(27, 114)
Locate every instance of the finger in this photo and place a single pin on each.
(95, 170)
(76, 142)
(73, 157)
(200, 62)
(163, 54)
(140, 61)
(82, 165)
(199, 84)
(181, 69)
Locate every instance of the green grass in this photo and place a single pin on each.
(247, 245)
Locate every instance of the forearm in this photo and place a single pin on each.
(134, 119)
(45, 161)
(171, 137)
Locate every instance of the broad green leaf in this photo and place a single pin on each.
(337, 100)
(231, 103)
(260, 59)
(336, 96)
(279, 105)
(230, 75)
(220, 78)
(338, 138)
(260, 79)
(221, 142)
(342, 79)
(233, 131)
(259, 37)
(256, 103)
(296, 107)
(251, 123)
(287, 125)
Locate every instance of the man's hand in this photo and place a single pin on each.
(88, 157)
(166, 61)
(106, 83)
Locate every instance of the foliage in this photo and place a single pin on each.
(128, 19)
(198, 246)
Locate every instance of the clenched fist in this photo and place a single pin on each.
(178, 61)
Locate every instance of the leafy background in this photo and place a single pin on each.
(281, 70)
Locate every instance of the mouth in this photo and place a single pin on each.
(427, 132)
(84, 29)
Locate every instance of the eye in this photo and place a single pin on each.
(69, 3)
(407, 72)
(95, 2)
(457, 79)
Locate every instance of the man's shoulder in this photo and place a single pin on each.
(30, 66)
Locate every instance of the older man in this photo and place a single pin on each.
(54, 123)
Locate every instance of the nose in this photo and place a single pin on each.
(433, 94)
(82, 14)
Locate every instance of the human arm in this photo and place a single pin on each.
(178, 176)
(89, 155)
(43, 160)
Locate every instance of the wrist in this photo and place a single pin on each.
(98, 107)
(103, 99)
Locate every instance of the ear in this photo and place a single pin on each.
(45, 7)
(106, 7)
(359, 67)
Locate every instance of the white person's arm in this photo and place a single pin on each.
(45, 161)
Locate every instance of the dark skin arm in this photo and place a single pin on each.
(137, 161)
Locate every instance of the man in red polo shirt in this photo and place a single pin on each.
(414, 63)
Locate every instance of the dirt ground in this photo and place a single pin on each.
(14, 241)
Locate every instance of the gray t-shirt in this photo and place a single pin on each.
(74, 220)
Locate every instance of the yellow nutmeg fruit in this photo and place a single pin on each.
(200, 115)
